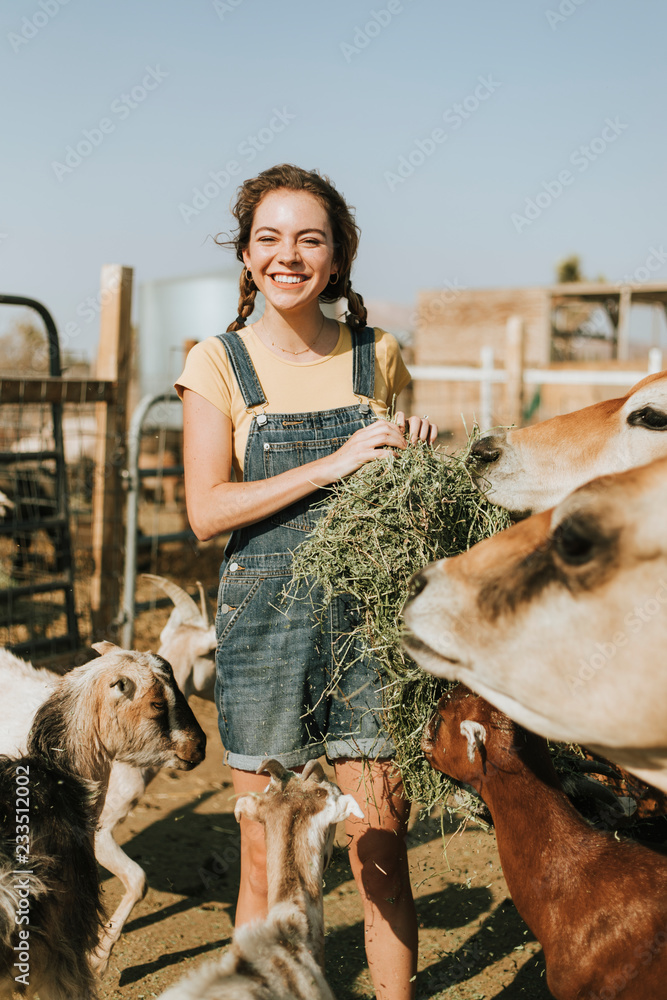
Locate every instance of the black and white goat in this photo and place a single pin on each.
(282, 956)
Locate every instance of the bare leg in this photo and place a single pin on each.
(253, 889)
(379, 861)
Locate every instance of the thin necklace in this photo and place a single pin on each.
(295, 353)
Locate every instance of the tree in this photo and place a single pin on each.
(569, 269)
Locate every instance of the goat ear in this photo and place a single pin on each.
(475, 734)
(250, 807)
(104, 647)
(346, 806)
(313, 769)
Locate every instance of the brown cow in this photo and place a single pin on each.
(529, 469)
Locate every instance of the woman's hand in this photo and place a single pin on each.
(419, 428)
(371, 442)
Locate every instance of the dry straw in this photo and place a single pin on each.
(381, 525)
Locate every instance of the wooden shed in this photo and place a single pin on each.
(580, 324)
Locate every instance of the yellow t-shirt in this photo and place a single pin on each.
(289, 386)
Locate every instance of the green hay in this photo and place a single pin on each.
(381, 525)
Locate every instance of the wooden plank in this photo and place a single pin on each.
(56, 390)
(623, 329)
(113, 364)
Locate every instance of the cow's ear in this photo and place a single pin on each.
(475, 734)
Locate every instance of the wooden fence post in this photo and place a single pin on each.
(623, 328)
(113, 362)
(514, 341)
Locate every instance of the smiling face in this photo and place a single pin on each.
(290, 252)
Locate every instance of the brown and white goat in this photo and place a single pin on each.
(597, 905)
(282, 956)
(187, 640)
(121, 709)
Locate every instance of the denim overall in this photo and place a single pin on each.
(275, 663)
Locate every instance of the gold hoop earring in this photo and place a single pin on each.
(333, 278)
(248, 275)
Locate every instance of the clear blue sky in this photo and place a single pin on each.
(352, 103)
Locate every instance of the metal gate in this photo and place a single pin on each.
(134, 539)
(37, 609)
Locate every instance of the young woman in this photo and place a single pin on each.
(274, 413)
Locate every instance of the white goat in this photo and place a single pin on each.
(282, 957)
(187, 640)
(123, 706)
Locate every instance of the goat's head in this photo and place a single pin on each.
(465, 732)
(187, 640)
(306, 803)
(141, 715)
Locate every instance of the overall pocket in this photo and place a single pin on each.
(283, 456)
(235, 592)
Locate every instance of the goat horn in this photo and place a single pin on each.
(187, 608)
(202, 601)
(313, 769)
(274, 768)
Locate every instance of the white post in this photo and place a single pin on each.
(654, 360)
(486, 389)
(514, 344)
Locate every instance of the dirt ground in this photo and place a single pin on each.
(473, 944)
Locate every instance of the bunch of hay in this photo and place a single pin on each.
(381, 525)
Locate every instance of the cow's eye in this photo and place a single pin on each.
(573, 543)
(648, 416)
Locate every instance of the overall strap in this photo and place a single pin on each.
(246, 376)
(363, 362)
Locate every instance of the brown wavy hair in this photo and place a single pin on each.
(343, 226)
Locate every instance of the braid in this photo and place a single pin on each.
(248, 290)
(357, 315)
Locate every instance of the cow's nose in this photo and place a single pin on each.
(417, 584)
(486, 449)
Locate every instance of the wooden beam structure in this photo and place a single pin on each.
(56, 390)
(113, 365)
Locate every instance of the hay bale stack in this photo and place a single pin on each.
(381, 525)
